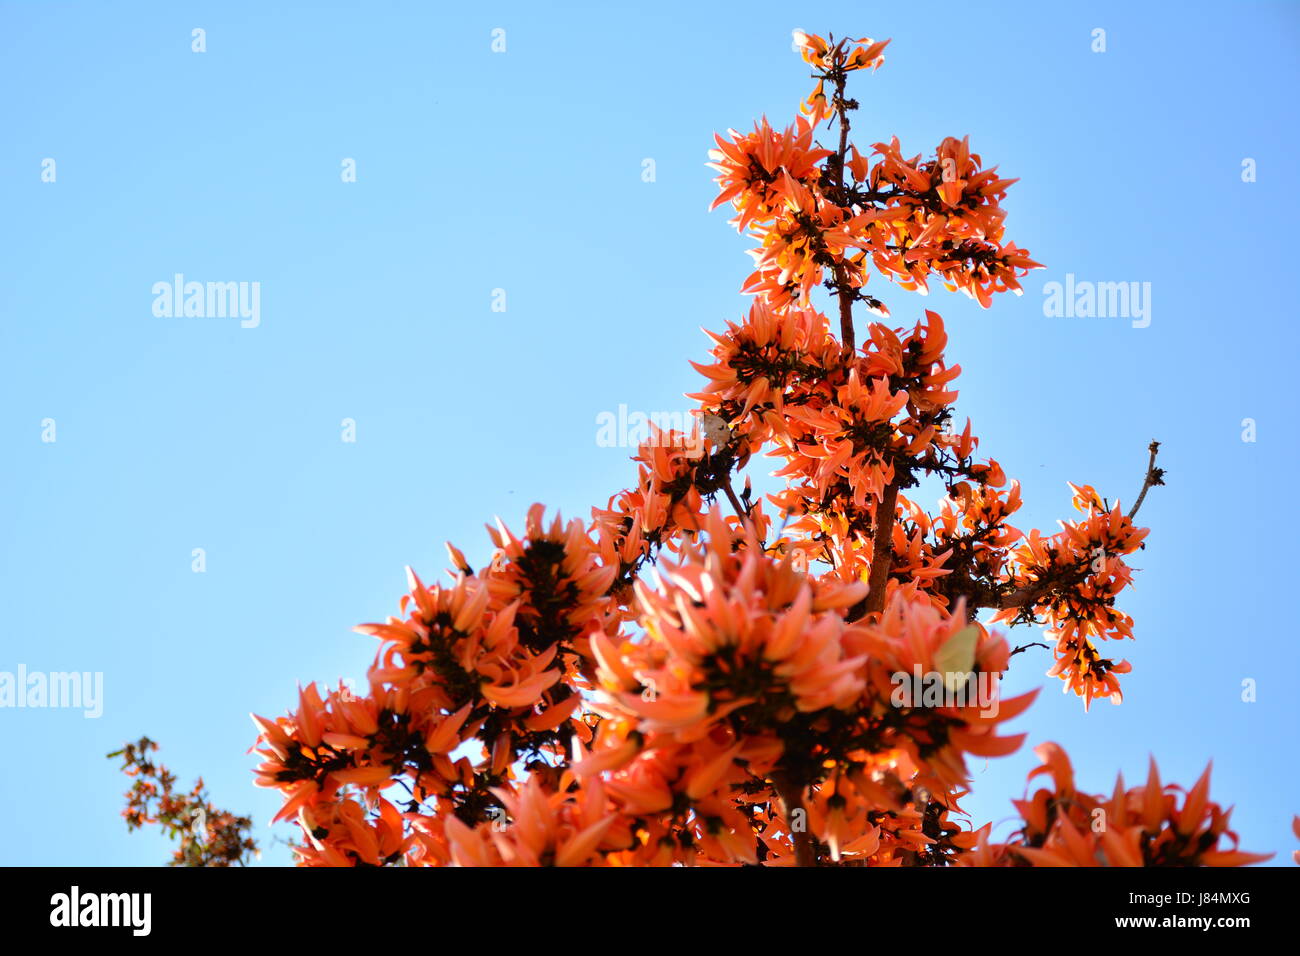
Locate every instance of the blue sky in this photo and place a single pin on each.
(522, 171)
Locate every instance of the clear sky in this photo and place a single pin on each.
(523, 171)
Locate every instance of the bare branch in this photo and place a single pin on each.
(841, 274)
(1155, 476)
(1025, 647)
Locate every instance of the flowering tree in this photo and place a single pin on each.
(702, 676)
(208, 836)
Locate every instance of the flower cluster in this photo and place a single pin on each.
(498, 660)
(747, 691)
(941, 218)
(699, 676)
(816, 211)
(833, 61)
(1071, 579)
(1150, 825)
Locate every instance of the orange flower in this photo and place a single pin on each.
(536, 829)
(1143, 826)
(761, 171)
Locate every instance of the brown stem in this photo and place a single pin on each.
(1025, 647)
(882, 548)
(1027, 595)
(735, 502)
(791, 800)
(841, 274)
(1155, 476)
(846, 309)
(844, 128)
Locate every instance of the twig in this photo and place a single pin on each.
(1155, 476)
(735, 502)
(841, 274)
(1025, 647)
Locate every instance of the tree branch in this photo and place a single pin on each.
(735, 502)
(1155, 476)
(1025, 647)
(882, 548)
(1027, 595)
(1030, 594)
(841, 274)
(846, 309)
(792, 800)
